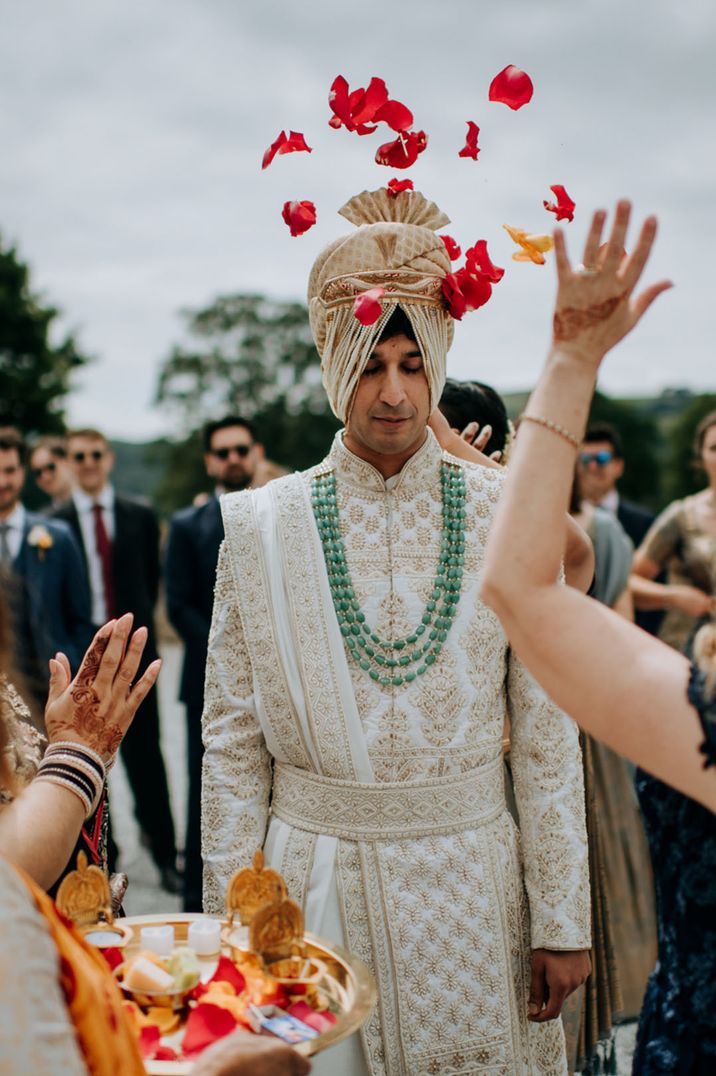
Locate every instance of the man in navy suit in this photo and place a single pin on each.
(231, 454)
(601, 465)
(42, 575)
(119, 539)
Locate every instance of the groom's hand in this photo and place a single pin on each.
(555, 975)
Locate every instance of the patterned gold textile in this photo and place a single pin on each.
(395, 247)
(25, 745)
(444, 913)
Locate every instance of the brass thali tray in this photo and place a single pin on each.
(346, 981)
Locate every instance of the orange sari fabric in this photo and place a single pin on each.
(93, 999)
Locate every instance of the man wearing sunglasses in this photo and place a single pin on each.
(231, 455)
(119, 537)
(51, 469)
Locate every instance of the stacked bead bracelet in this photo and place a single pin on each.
(393, 662)
(77, 768)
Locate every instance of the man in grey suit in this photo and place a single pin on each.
(231, 454)
(42, 576)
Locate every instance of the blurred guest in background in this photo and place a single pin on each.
(42, 576)
(120, 540)
(51, 470)
(600, 466)
(683, 541)
(478, 413)
(231, 454)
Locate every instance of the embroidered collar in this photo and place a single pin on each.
(420, 472)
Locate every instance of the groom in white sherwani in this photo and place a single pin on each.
(356, 692)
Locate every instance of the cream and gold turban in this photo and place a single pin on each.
(394, 247)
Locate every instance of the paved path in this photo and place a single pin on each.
(145, 895)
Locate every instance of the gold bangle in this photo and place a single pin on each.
(554, 427)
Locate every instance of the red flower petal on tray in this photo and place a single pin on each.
(321, 1021)
(206, 1024)
(295, 143)
(511, 87)
(165, 1053)
(452, 248)
(149, 1042)
(113, 956)
(470, 149)
(227, 972)
(478, 260)
(404, 151)
(367, 308)
(300, 216)
(396, 186)
(564, 206)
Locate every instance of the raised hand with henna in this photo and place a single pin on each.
(98, 706)
(596, 306)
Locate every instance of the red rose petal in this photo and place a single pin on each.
(476, 289)
(320, 1021)
(396, 115)
(113, 956)
(564, 207)
(300, 216)
(365, 104)
(367, 308)
(295, 143)
(404, 151)
(206, 1024)
(165, 1053)
(452, 248)
(149, 1041)
(396, 186)
(456, 303)
(470, 149)
(511, 87)
(478, 261)
(227, 972)
(338, 100)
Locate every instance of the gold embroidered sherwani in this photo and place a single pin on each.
(384, 806)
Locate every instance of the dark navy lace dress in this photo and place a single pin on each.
(677, 1028)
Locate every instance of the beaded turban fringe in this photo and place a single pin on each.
(394, 247)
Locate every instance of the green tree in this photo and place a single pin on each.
(643, 448)
(35, 374)
(252, 356)
(684, 475)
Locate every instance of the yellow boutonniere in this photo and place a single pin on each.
(41, 539)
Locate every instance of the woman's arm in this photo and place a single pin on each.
(618, 683)
(648, 594)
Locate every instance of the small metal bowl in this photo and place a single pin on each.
(300, 975)
(166, 999)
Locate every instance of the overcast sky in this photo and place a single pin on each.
(132, 137)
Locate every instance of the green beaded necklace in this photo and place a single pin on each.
(395, 661)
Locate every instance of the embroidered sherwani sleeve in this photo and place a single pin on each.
(236, 780)
(549, 790)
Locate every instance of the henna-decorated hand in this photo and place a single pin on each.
(595, 305)
(98, 706)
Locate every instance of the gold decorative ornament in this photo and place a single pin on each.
(251, 888)
(84, 897)
(276, 931)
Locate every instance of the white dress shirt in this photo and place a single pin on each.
(611, 502)
(16, 524)
(85, 505)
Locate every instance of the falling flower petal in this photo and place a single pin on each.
(396, 115)
(476, 289)
(367, 307)
(564, 206)
(470, 149)
(363, 109)
(205, 1025)
(300, 216)
(404, 151)
(397, 186)
(456, 302)
(511, 87)
(295, 143)
(533, 247)
(452, 248)
(478, 260)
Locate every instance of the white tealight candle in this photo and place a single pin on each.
(205, 936)
(159, 939)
